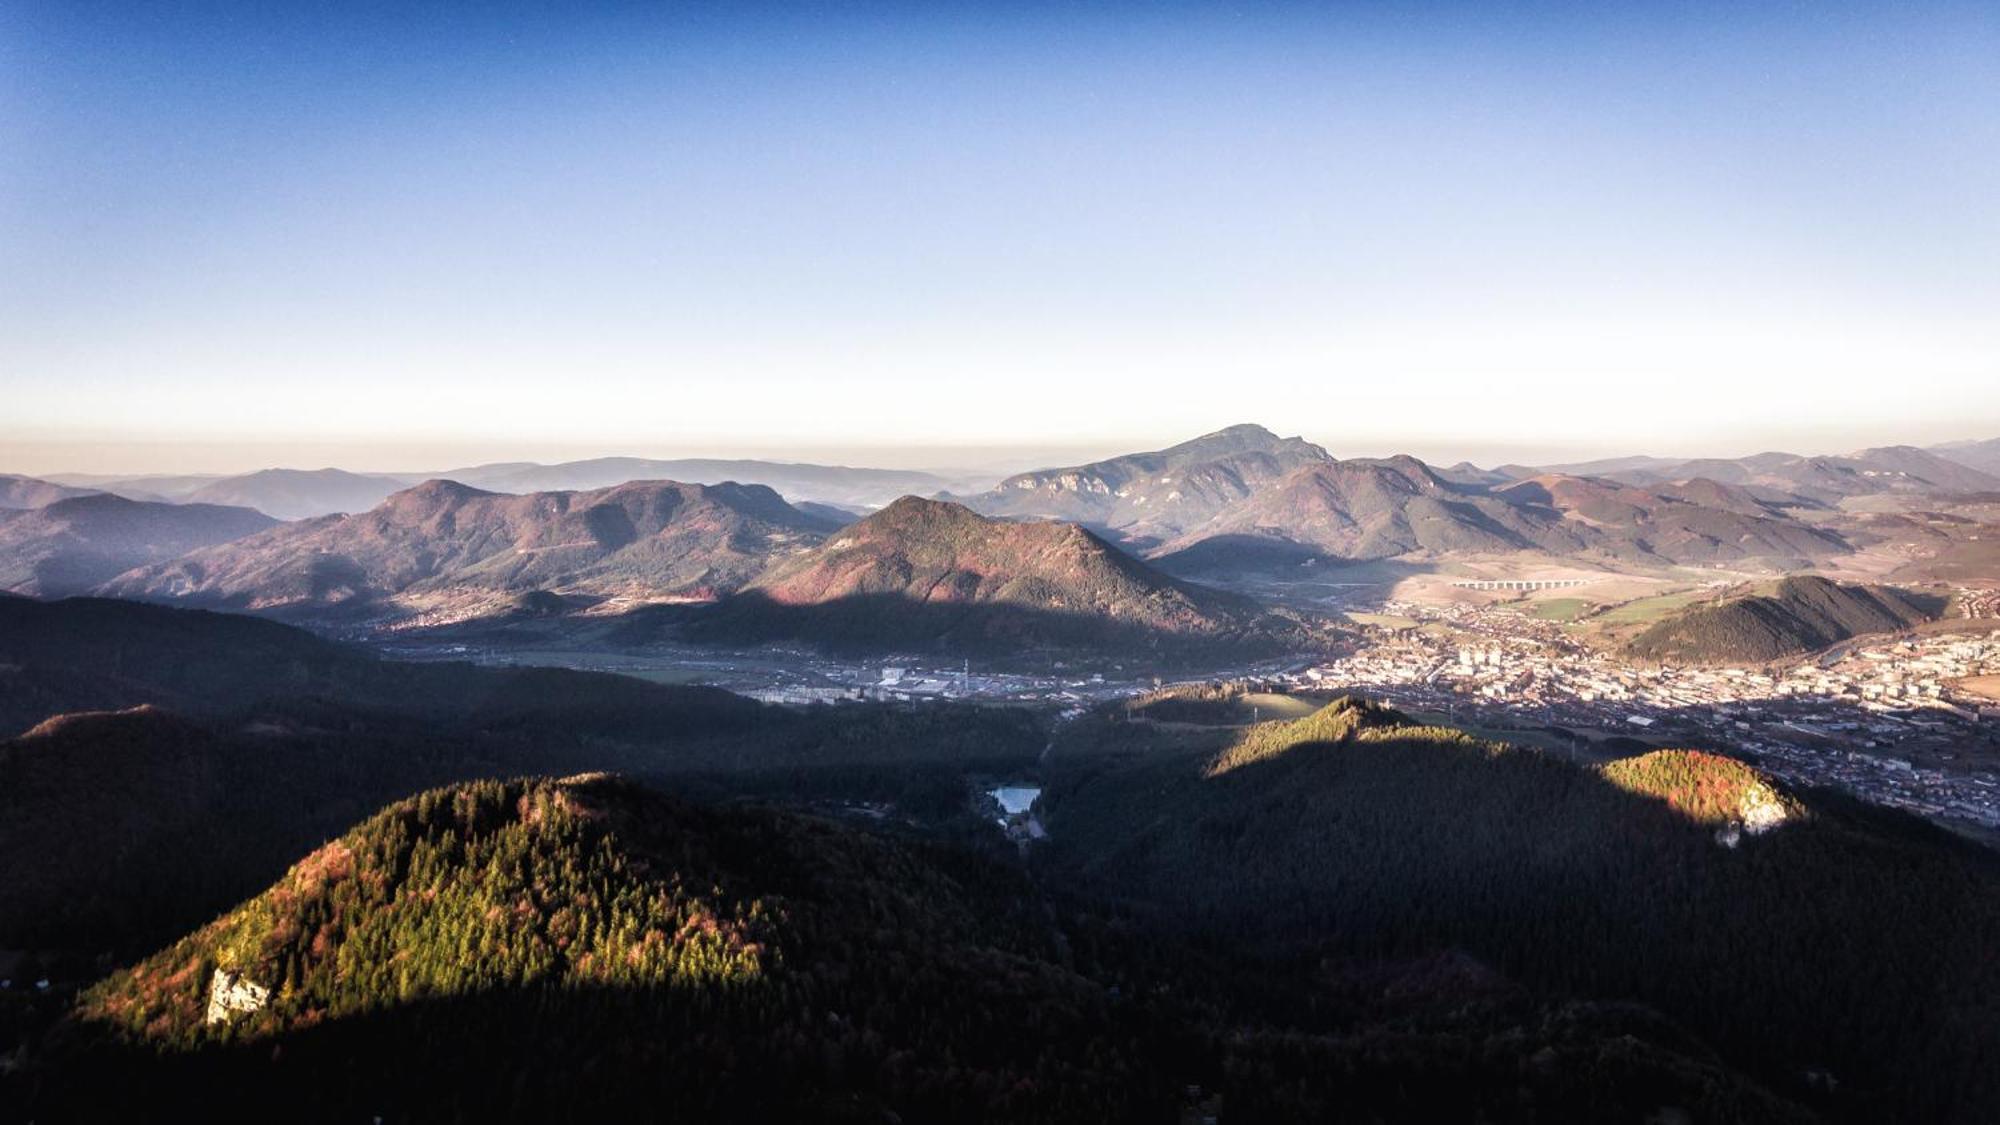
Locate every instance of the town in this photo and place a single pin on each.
(1882, 718)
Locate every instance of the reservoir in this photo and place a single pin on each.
(1015, 799)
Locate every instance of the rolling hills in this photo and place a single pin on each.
(71, 546)
(1798, 614)
(450, 550)
(1983, 456)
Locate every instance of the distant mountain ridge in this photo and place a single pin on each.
(29, 492)
(837, 485)
(1815, 479)
(73, 545)
(447, 547)
(303, 494)
(293, 494)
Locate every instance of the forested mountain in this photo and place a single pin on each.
(277, 738)
(1341, 917)
(617, 953)
(449, 550)
(1842, 952)
(1799, 614)
(71, 546)
(928, 575)
(1148, 498)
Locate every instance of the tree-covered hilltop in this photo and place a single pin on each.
(1799, 614)
(1822, 943)
(114, 805)
(586, 949)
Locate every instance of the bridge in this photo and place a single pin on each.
(1521, 583)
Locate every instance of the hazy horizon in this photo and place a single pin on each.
(943, 237)
(116, 459)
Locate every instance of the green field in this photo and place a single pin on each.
(1559, 609)
(1645, 611)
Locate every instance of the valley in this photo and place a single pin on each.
(1007, 564)
(1097, 702)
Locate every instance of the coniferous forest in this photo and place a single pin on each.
(506, 901)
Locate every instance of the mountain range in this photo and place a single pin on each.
(1794, 479)
(1243, 496)
(291, 494)
(449, 549)
(1238, 502)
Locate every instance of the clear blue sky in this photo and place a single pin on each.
(257, 234)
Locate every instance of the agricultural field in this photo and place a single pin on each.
(1645, 611)
(1562, 610)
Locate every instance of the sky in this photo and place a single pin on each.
(934, 234)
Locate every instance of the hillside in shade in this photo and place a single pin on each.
(927, 575)
(1800, 933)
(71, 546)
(1799, 614)
(452, 550)
(614, 952)
(141, 734)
